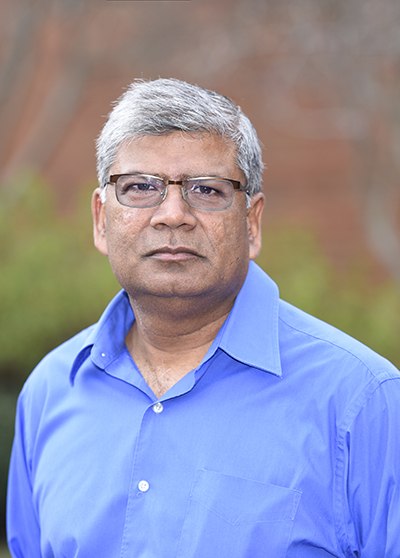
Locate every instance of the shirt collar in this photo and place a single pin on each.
(106, 339)
(250, 334)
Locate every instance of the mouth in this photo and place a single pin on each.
(173, 254)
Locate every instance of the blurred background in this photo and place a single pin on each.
(318, 78)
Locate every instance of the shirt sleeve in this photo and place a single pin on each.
(23, 531)
(368, 475)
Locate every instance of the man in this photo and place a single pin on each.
(201, 416)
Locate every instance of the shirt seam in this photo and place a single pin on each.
(349, 416)
(340, 347)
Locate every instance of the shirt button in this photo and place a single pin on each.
(143, 486)
(157, 407)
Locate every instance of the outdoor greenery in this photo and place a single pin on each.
(53, 283)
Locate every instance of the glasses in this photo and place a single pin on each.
(143, 190)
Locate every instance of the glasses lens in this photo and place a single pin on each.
(137, 190)
(209, 193)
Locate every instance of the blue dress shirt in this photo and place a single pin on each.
(283, 442)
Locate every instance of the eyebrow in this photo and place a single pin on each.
(182, 176)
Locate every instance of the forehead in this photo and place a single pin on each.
(178, 154)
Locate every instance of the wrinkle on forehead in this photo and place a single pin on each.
(146, 154)
(188, 136)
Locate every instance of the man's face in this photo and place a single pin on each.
(174, 250)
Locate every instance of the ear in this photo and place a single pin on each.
(254, 222)
(99, 222)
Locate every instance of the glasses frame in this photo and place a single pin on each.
(235, 184)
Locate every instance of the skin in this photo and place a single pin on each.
(181, 267)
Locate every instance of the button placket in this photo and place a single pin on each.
(143, 486)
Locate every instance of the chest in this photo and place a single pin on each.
(231, 462)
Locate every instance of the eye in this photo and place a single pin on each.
(202, 189)
(144, 186)
(139, 190)
(209, 193)
(138, 185)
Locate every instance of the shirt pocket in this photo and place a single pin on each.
(233, 517)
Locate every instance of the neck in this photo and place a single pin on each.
(167, 345)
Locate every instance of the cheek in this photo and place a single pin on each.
(233, 242)
(123, 227)
(236, 230)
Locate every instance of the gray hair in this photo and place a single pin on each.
(164, 106)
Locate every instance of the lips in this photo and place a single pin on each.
(173, 254)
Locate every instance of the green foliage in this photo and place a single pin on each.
(7, 412)
(350, 301)
(53, 282)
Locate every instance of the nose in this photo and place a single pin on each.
(174, 211)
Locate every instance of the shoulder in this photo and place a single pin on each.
(53, 370)
(328, 345)
(51, 380)
(63, 356)
(46, 387)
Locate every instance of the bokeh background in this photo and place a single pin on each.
(318, 78)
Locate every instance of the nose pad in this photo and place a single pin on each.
(184, 195)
